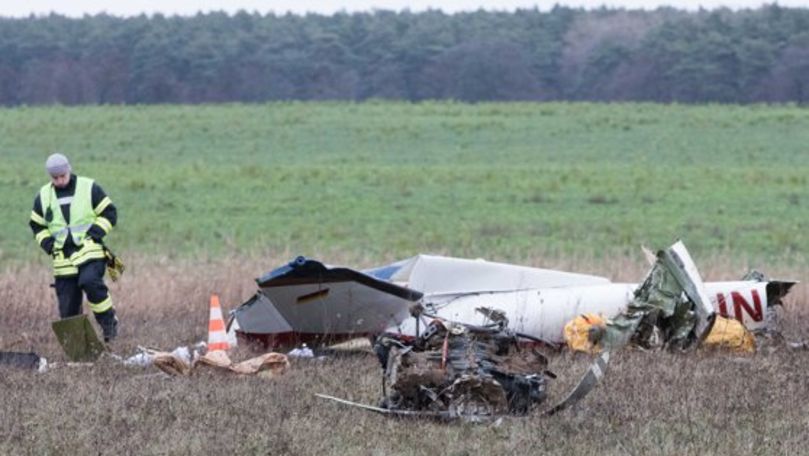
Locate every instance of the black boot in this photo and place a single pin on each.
(109, 324)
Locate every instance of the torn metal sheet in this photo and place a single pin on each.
(591, 378)
(670, 308)
(680, 265)
(19, 360)
(400, 413)
(78, 338)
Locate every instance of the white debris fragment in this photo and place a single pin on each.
(182, 353)
(186, 353)
(142, 359)
(302, 352)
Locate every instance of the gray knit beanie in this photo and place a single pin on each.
(57, 165)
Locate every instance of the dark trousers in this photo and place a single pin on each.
(90, 281)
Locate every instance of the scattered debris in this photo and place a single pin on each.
(473, 373)
(582, 332)
(798, 345)
(727, 334)
(142, 359)
(462, 371)
(171, 364)
(594, 374)
(302, 352)
(670, 309)
(455, 370)
(183, 361)
(19, 360)
(268, 365)
(730, 335)
(78, 338)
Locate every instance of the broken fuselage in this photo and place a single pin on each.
(308, 301)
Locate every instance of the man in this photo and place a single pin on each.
(71, 216)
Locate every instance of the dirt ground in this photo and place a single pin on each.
(649, 402)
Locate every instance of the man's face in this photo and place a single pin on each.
(61, 180)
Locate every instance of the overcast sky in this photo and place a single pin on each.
(19, 8)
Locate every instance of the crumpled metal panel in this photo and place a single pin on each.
(464, 372)
(670, 308)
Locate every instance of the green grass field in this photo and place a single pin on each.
(505, 181)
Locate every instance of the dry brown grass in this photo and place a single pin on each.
(650, 403)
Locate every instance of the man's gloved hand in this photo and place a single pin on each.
(115, 267)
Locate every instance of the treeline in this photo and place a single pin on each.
(664, 55)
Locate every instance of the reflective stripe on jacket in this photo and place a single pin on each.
(82, 217)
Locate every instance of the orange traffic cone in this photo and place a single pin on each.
(217, 337)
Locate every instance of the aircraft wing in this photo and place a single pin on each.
(306, 300)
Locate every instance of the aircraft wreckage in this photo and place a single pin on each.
(449, 332)
(308, 301)
(454, 371)
(479, 373)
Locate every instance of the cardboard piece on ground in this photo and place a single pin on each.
(78, 338)
(171, 363)
(267, 365)
(216, 358)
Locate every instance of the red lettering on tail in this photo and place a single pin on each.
(756, 313)
(723, 307)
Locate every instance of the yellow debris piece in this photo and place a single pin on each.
(577, 332)
(730, 334)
